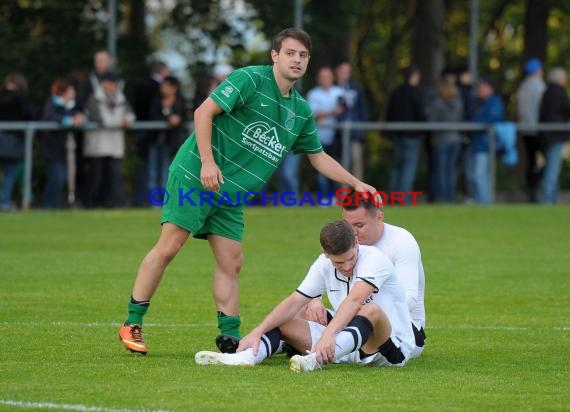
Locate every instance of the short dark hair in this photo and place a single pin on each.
(111, 76)
(294, 33)
(409, 71)
(337, 237)
(488, 81)
(340, 62)
(158, 65)
(357, 201)
(173, 81)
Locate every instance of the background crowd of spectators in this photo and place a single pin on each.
(84, 166)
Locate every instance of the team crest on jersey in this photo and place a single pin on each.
(227, 91)
(263, 139)
(290, 122)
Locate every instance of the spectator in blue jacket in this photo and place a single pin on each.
(56, 144)
(488, 109)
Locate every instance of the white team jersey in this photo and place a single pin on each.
(373, 267)
(403, 251)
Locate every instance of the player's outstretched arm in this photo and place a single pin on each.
(334, 171)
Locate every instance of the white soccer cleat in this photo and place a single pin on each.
(307, 363)
(205, 357)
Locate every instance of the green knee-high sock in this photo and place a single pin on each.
(137, 310)
(229, 325)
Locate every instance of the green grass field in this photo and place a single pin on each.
(497, 297)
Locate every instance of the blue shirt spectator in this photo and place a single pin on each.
(489, 108)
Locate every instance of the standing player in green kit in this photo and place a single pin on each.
(243, 131)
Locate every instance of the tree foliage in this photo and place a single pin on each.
(44, 39)
(48, 38)
(207, 31)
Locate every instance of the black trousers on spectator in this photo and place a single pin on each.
(104, 179)
(533, 174)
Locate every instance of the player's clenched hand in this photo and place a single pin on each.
(250, 341)
(316, 312)
(324, 349)
(211, 176)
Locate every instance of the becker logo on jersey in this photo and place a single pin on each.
(264, 140)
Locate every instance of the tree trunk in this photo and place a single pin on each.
(428, 40)
(133, 46)
(536, 30)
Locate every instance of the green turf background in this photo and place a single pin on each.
(497, 298)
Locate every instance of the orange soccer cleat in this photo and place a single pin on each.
(132, 338)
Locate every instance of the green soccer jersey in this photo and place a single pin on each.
(254, 134)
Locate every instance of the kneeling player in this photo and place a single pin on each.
(370, 323)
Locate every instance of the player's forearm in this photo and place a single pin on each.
(204, 138)
(203, 121)
(345, 313)
(350, 307)
(282, 313)
(329, 167)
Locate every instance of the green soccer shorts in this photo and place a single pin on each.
(198, 213)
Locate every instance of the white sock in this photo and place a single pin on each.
(257, 359)
(347, 342)
(261, 354)
(269, 342)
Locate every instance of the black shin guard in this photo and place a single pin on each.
(271, 341)
(391, 352)
(362, 326)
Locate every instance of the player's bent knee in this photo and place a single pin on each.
(238, 263)
(171, 241)
(166, 253)
(231, 265)
(167, 249)
(371, 312)
(380, 322)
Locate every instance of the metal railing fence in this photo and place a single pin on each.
(30, 128)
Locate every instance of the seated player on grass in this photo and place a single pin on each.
(367, 219)
(370, 324)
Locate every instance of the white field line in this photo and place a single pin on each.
(107, 325)
(69, 407)
(500, 328)
(211, 324)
